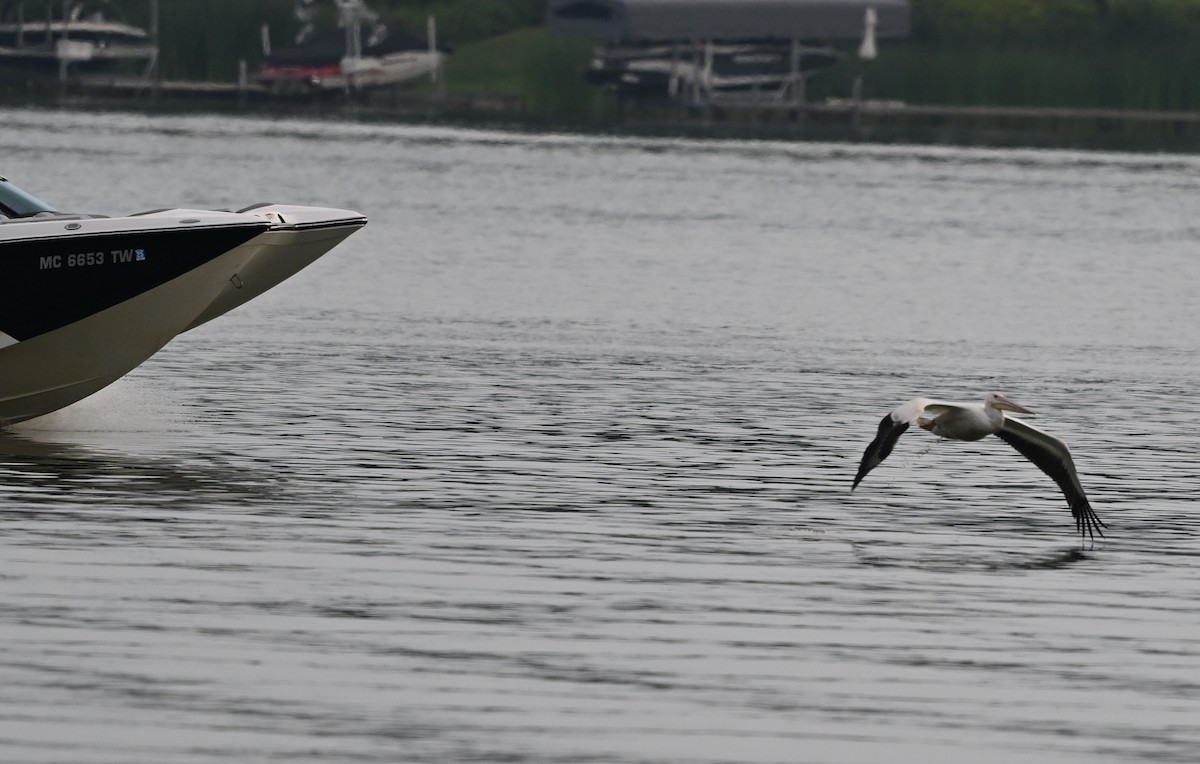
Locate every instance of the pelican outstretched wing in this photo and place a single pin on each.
(889, 432)
(1053, 457)
(892, 427)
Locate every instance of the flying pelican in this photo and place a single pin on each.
(972, 421)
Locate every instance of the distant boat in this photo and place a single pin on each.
(723, 52)
(38, 34)
(667, 70)
(322, 64)
(365, 54)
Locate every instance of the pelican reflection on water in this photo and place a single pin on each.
(973, 421)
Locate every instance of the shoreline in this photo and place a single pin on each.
(840, 121)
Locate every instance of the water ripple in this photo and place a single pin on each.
(552, 461)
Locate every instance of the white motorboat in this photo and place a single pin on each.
(85, 299)
(88, 33)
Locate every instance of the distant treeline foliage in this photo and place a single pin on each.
(1093, 53)
(1126, 54)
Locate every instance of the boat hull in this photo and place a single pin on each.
(64, 365)
(56, 274)
(84, 300)
(282, 252)
(76, 313)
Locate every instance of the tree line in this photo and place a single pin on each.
(1099, 53)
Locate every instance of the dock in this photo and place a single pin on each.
(833, 119)
(135, 87)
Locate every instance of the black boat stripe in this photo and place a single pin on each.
(48, 283)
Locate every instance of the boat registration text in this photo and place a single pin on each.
(85, 259)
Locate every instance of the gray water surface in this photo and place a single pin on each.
(551, 462)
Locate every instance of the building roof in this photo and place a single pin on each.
(681, 20)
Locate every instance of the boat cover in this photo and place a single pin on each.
(682, 20)
(329, 48)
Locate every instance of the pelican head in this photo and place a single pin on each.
(1004, 403)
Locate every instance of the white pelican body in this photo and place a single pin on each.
(973, 421)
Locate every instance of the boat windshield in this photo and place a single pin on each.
(15, 203)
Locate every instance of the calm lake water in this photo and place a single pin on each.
(551, 462)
